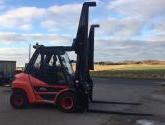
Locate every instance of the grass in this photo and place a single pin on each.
(138, 71)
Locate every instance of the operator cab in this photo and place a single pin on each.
(51, 65)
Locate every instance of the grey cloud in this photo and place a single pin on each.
(19, 17)
(48, 39)
(135, 16)
(128, 50)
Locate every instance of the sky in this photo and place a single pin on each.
(129, 29)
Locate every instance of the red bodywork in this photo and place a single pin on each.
(27, 83)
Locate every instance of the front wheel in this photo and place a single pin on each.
(18, 100)
(66, 102)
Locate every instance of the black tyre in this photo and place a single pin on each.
(66, 102)
(19, 100)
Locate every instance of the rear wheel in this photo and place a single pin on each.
(18, 99)
(66, 102)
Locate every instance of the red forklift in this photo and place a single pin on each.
(49, 76)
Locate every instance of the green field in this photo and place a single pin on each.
(138, 71)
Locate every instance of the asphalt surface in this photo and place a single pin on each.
(125, 90)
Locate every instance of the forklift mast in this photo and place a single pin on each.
(81, 45)
(91, 47)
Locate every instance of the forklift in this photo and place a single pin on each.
(49, 76)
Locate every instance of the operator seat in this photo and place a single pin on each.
(53, 72)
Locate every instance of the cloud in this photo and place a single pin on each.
(48, 39)
(2, 5)
(2, 1)
(134, 15)
(158, 38)
(20, 54)
(119, 29)
(129, 29)
(22, 17)
(140, 8)
(129, 18)
(62, 17)
(26, 26)
(50, 25)
(63, 9)
(108, 50)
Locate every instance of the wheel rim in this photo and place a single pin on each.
(67, 103)
(18, 100)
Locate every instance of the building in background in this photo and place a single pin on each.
(7, 71)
